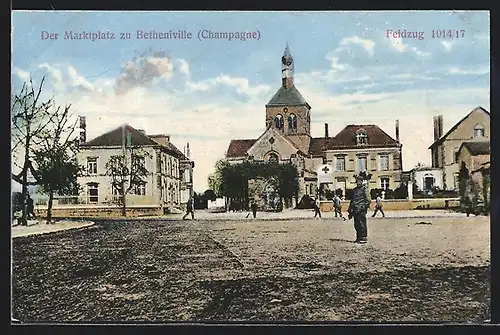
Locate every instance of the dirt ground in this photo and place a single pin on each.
(294, 270)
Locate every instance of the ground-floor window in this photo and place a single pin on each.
(384, 183)
(92, 193)
(140, 189)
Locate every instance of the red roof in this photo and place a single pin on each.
(239, 148)
(345, 139)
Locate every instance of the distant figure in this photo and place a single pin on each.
(253, 206)
(316, 208)
(378, 207)
(337, 206)
(468, 206)
(189, 209)
(30, 208)
(358, 207)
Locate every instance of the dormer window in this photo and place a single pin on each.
(361, 137)
(478, 130)
(278, 121)
(292, 122)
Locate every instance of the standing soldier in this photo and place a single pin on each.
(378, 207)
(317, 211)
(337, 206)
(189, 209)
(358, 207)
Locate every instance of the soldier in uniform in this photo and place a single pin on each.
(358, 207)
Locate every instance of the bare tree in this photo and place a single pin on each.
(57, 166)
(127, 173)
(30, 116)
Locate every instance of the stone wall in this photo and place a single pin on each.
(400, 205)
(86, 211)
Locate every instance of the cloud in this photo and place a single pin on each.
(398, 45)
(241, 84)
(55, 74)
(79, 81)
(183, 66)
(143, 70)
(447, 45)
(23, 75)
(368, 45)
(480, 70)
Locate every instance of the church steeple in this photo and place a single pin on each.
(287, 68)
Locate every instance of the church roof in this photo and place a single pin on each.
(287, 97)
(346, 139)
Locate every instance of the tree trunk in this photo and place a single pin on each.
(124, 205)
(49, 207)
(24, 191)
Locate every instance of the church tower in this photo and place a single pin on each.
(287, 68)
(287, 111)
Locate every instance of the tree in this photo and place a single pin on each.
(30, 117)
(57, 166)
(215, 179)
(127, 173)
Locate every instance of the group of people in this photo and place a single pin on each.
(358, 208)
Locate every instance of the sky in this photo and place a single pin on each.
(351, 67)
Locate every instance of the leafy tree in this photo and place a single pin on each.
(127, 173)
(233, 179)
(30, 117)
(57, 166)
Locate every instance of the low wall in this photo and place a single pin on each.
(98, 211)
(401, 205)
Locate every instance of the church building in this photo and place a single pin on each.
(324, 163)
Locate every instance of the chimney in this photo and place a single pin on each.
(326, 130)
(397, 130)
(438, 127)
(188, 153)
(83, 129)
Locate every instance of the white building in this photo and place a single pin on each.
(427, 179)
(169, 182)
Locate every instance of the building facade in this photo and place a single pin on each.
(168, 183)
(324, 163)
(475, 126)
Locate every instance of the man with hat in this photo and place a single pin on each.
(358, 207)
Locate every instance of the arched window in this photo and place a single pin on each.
(292, 122)
(278, 121)
(478, 130)
(272, 157)
(361, 137)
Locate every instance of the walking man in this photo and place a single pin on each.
(189, 209)
(316, 208)
(337, 206)
(378, 207)
(358, 207)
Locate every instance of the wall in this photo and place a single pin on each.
(282, 147)
(464, 132)
(400, 205)
(373, 166)
(303, 118)
(96, 211)
(418, 178)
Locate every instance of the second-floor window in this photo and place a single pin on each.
(92, 165)
(340, 164)
(362, 160)
(384, 183)
(384, 162)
